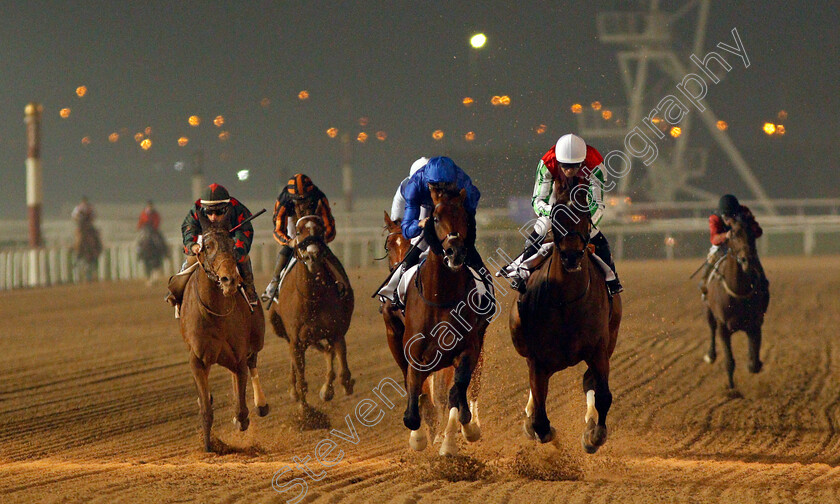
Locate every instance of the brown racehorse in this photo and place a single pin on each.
(737, 299)
(441, 329)
(566, 317)
(311, 310)
(87, 247)
(151, 250)
(218, 326)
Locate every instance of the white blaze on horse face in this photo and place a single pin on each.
(591, 411)
(311, 249)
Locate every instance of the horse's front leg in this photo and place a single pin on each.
(726, 339)
(202, 384)
(344, 375)
(536, 421)
(327, 390)
(298, 351)
(598, 402)
(411, 418)
(240, 380)
(711, 354)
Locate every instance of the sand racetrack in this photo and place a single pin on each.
(97, 404)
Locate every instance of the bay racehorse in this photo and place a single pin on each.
(219, 327)
(737, 298)
(87, 247)
(565, 317)
(312, 310)
(445, 322)
(151, 249)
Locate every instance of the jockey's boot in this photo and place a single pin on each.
(475, 262)
(614, 286)
(518, 284)
(247, 274)
(704, 278)
(282, 260)
(343, 280)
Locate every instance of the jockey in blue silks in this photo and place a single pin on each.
(441, 172)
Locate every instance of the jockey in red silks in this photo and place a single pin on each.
(149, 217)
(720, 222)
(569, 157)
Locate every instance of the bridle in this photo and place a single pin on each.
(213, 277)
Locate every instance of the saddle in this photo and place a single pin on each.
(178, 284)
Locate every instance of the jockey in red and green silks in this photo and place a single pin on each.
(569, 157)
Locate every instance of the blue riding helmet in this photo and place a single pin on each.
(441, 169)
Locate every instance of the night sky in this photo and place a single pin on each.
(405, 66)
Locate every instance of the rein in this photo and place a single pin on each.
(198, 294)
(387, 250)
(727, 288)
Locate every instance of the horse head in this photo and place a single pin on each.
(570, 222)
(216, 256)
(396, 245)
(311, 248)
(742, 243)
(448, 234)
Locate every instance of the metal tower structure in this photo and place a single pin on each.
(648, 54)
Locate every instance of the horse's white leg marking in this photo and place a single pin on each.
(472, 431)
(529, 408)
(417, 440)
(259, 395)
(450, 444)
(591, 412)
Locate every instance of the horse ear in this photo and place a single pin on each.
(462, 195)
(388, 221)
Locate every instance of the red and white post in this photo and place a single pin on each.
(34, 177)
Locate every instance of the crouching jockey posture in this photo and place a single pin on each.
(720, 222)
(217, 206)
(301, 198)
(439, 174)
(570, 157)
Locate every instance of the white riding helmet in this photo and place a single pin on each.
(570, 149)
(420, 163)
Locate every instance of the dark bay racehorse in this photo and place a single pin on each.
(566, 317)
(219, 327)
(312, 310)
(737, 299)
(151, 249)
(87, 247)
(441, 328)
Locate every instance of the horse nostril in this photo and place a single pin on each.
(224, 280)
(449, 251)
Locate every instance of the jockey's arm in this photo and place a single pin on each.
(329, 220)
(542, 191)
(410, 224)
(190, 230)
(243, 236)
(398, 204)
(717, 230)
(280, 219)
(596, 193)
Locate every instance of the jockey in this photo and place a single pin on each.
(418, 244)
(149, 217)
(83, 212)
(214, 202)
(300, 190)
(720, 223)
(440, 172)
(569, 157)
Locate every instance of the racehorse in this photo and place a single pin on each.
(565, 317)
(312, 310)
(737, 299)
(219, 326)
(151, 249)
(87, 247)
(441, 331)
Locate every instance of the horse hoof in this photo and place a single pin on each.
(593, 437)
(549, 436)
(471, 432)
(262, 410)
(243, 425)
(348, 386)
(417, 440)
(327, 392)
(528, 427)
(449, 447)
(588, 448)
(756, 368)
(710, 358)
(293, 395)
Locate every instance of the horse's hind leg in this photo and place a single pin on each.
(344, 375)
(240, 380)
(711, 354)
(754, 336)
(259, 396)
(202, 384)
(598, 395)
(327, 391)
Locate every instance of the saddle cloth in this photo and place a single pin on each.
(410, 272)
(178, 283)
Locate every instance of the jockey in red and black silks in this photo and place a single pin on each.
(149, 217)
